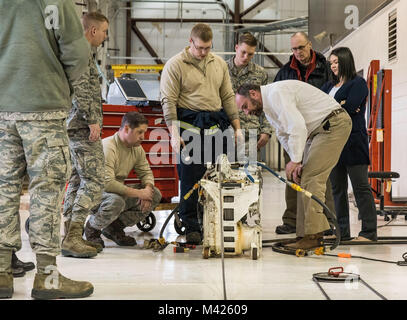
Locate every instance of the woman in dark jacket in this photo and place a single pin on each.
(351, 92)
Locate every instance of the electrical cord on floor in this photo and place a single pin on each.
(328, 213)
(392, 225)
(176, 209)
(348, 255)
(385, 225)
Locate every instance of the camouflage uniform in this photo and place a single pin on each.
(86, 182)
(253, 74)
(127, 210)
(35, 143)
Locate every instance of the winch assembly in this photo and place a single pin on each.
(231, 210)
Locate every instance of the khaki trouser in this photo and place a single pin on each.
(321, 154)
(290, 213)
(292, 198)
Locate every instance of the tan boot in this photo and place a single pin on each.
(66, 228)
(309, 241)
(361, 239)
(6, 285)
(6, 276)
(97, 246)
(50, 284)
(74, 245)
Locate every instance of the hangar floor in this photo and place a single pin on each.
(126, 273)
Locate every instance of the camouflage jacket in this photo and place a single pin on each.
(33, 116)
(252, 121)
(87, 102)
(252, 73)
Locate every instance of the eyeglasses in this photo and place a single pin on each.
(300, 48)
(202, 48)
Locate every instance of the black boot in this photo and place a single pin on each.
(285, 229)
(18, 272)
(18, 264)
(115, 232)
(194, 238)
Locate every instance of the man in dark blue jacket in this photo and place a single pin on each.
(309, 66)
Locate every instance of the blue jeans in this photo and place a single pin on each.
(189, 174)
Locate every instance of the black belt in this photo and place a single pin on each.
(333, 113)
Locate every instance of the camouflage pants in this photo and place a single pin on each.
(250, 144)
(115, 206)
(87, 179)
(41, 149)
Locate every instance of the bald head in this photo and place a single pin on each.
(301, 47)
(301, 34)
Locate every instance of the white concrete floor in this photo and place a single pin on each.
(124, 273)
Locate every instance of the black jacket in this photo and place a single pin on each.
(204, 119)
(317, 71)
(354, 92)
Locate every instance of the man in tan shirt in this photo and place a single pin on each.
(199, 106)
(124, 205)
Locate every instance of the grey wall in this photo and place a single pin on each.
(329, 16)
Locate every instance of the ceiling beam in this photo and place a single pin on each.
(178, 20)
(129, 23)
(236, 16)
(238, 19)
(146, 44)
(272, 57)
(252, 7)
(222, 4)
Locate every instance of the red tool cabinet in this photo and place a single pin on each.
(156, 145)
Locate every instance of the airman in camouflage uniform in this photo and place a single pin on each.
(45, 156)
(246, 71)
(34, 104)
(84, 122)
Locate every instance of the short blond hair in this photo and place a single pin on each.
(202, 31)
(89, 19)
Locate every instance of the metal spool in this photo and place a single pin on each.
(344, 276)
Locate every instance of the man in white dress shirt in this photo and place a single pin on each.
(313, 129)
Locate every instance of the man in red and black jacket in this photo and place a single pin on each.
(305, 64)
(312, 67)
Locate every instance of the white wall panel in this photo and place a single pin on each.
(370, 42)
